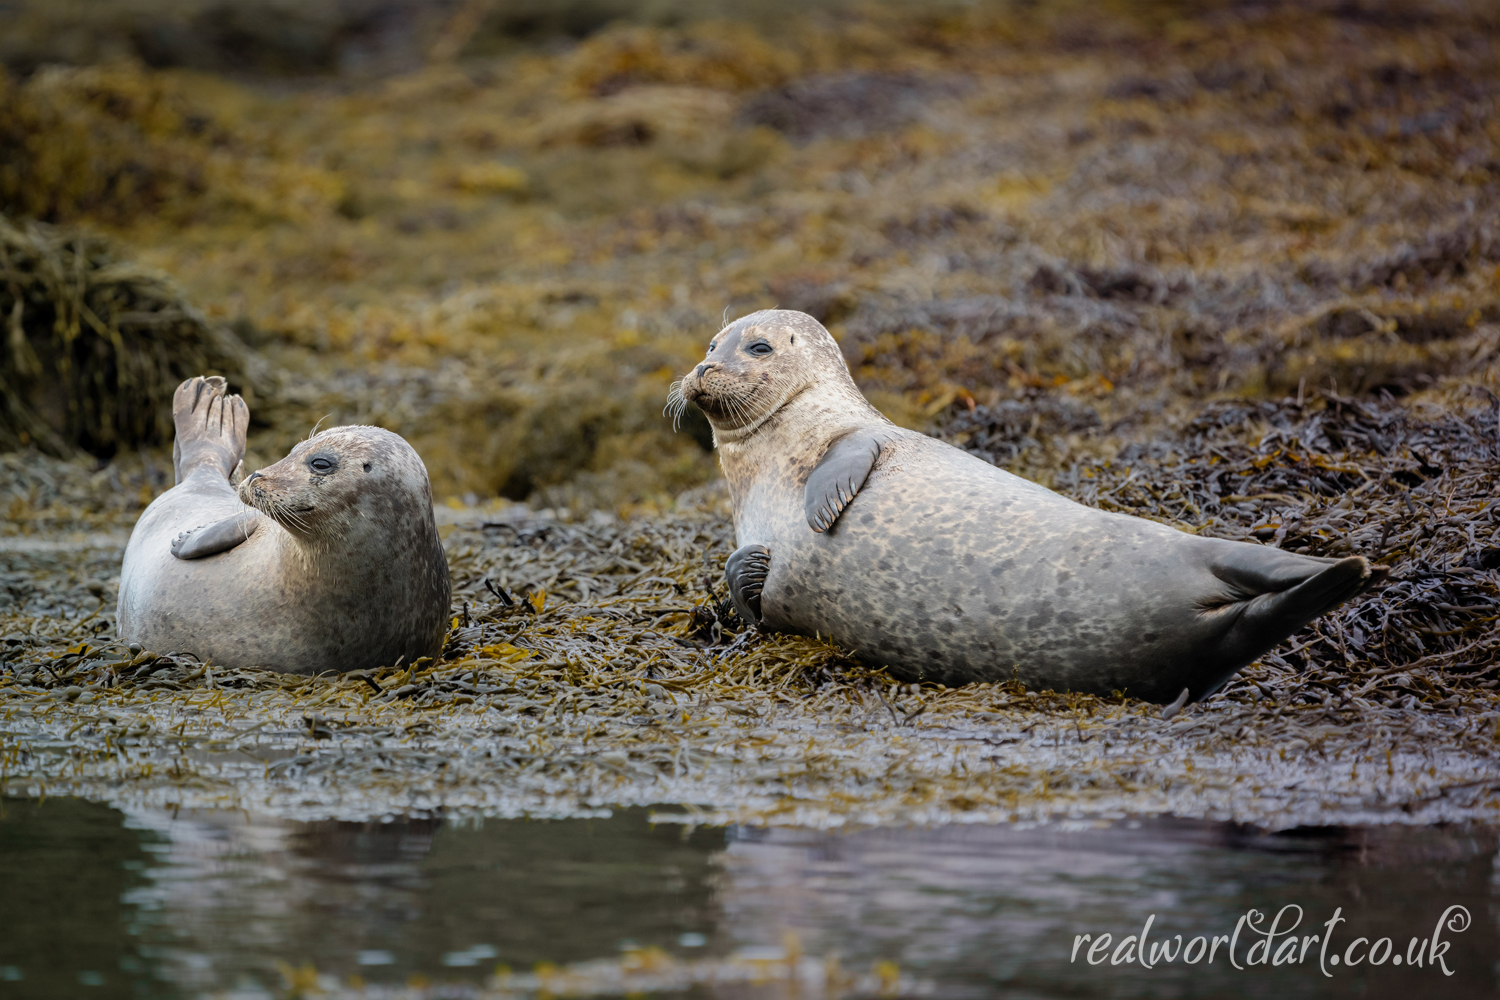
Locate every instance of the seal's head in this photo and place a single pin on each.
(759, 364)
(343, 484)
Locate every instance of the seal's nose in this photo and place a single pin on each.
(701, 369)
(251, 478)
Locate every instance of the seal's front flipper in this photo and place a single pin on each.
(1275, 593)
(746, 572)
(211, 539)
(839, 475)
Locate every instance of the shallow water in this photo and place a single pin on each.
(105, 903)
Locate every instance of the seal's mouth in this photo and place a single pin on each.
(704, 400)
(725, 403)
(689, 389)
(248, 493)
(255, 492)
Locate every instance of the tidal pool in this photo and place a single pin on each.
(100, 902)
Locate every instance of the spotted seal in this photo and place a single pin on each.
(939, 566)
(327, 560)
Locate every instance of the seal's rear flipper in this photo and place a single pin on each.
(210, 425)
(1288, 610)
(211, 539)
(839, 475)
(1274, 593)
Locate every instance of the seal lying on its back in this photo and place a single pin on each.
(331, 562)
(941, 567)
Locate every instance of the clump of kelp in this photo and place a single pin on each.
(95, 345)
(111, 141)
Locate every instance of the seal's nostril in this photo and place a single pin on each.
(701, 369)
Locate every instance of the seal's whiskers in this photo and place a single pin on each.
(676, 404)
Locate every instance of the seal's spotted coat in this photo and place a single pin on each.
(945, 568)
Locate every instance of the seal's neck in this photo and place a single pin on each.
(309, 557)
(798, 431)
(349, 543)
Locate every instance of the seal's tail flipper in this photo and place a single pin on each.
(211, 427)
(1274, 593)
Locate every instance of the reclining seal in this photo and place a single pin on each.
(327, 560)
(940, 567)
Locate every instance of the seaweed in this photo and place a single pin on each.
(596, 662)
(501, 255)
(1232, 269)
(95, 345)
(847, 105)
(119, 144)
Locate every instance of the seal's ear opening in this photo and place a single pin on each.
(367, 466)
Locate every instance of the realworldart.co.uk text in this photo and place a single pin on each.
(1254, 943)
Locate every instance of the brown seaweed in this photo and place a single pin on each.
(1230, 268)
(95, 345)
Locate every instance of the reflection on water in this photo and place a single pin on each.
(987, 910)
(66, 868)
(389, 900)
(99, 903)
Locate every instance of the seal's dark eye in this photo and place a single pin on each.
(760, 348)
(710, 349)
(322, 465)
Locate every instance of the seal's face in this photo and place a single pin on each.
(755, 366)
(342, 481)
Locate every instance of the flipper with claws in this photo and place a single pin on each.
(220, 536)
(746, 572)
(838, 476)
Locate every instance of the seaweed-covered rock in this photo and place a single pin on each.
(848, 105)
(118, 143)
(1003, 432)
(112, 141)
(94, 345)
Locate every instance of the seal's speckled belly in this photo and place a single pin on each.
(947, 569)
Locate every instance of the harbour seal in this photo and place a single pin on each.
(938, 566)
(327, 560)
